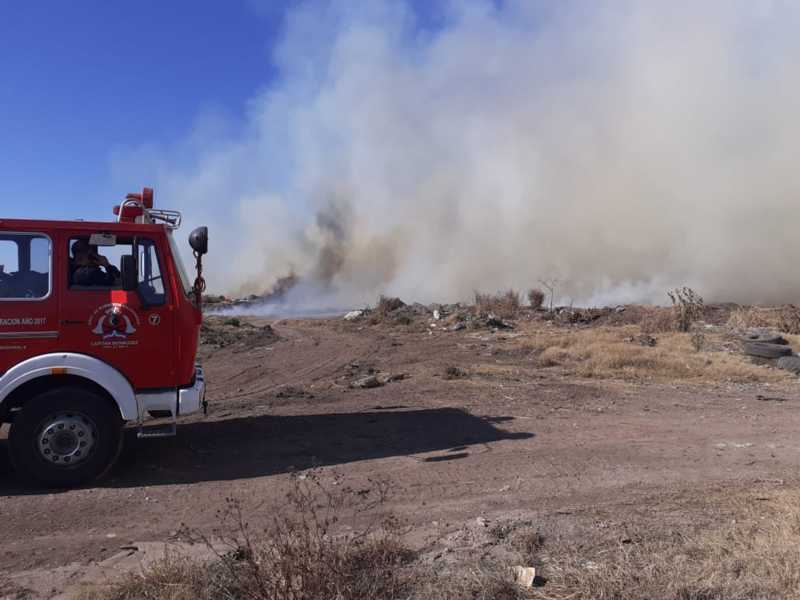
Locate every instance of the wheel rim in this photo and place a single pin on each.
(67, 439)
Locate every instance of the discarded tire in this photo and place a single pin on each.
(766, 338)
(764, 350)
(790, 363)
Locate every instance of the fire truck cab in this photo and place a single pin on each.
(99, 328)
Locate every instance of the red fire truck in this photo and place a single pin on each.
(99, 327)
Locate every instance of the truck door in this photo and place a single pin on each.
(28, 306)
(131, 330)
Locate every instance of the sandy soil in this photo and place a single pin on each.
(509, 440)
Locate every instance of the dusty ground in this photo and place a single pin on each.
(502, 436)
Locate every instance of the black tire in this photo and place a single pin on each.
(763, 350)
(766, 338)
(790, 363)
(65, 437)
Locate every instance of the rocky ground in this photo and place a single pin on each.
(479, 422)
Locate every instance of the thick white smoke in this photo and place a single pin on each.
(623, 147)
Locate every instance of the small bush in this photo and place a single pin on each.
(233, 322)
(536, 298)
(687, 306)
(505, 305)
(300, 556)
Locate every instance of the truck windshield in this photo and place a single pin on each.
(186, 281)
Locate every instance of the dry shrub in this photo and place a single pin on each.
(299, 556)
(782, 318)
(606, 352)
(505, 305)
(755, 556)
(172, 578)
(687, 306)
(698, 339)
(536, 298)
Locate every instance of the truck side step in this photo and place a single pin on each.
(157, 431)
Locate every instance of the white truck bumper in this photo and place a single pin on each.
(192, 399)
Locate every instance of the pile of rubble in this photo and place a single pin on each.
(221, 332)
(443, 317)
(275, 295)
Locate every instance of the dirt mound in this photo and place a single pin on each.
(221, 332)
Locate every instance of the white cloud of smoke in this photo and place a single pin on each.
(623, 147)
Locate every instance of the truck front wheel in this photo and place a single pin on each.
(65, 437)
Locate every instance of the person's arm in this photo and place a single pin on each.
(112, 273)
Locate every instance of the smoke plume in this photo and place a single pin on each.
(622, 147)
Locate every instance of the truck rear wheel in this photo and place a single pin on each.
(65, 437)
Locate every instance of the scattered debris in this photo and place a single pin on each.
(643, 340)
(353, 315)
(370, 381)
(276, 295)
(375, 379)
(388, 305)
(222, 333)
(524, 576)
(497, 323)
(770, 398)
(396, 377)
(289, 391)
(455, 373)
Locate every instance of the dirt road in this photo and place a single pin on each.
(505, 439)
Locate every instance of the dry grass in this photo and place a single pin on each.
(614, 353)
(299, 556)
(505, 305)
(754, 556)
(654, 319)
(752, 553)
(785, 319)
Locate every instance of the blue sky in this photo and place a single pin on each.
(83, 81)
(80, 81)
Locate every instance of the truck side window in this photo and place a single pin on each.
(151, 282)
(96, 267)
(24, 266)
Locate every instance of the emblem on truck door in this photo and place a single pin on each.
(114, 323)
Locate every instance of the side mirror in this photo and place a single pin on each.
(130, 278)
(198, 240)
